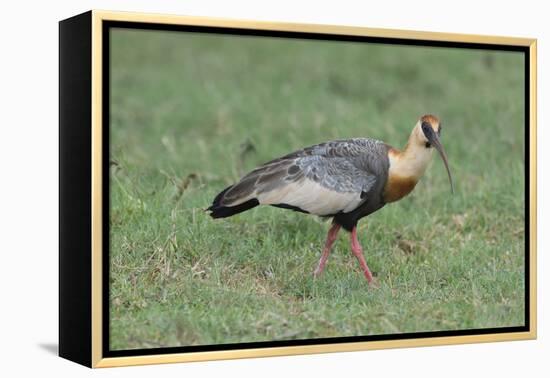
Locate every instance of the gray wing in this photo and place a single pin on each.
(340, 174)
(324, 179)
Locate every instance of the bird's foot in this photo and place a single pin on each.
(317, 272)
(366, 270)
(374, 284)
(321, 266)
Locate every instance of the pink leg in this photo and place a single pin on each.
(331, 238)
(358, 252)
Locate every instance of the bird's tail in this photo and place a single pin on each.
(217, 210)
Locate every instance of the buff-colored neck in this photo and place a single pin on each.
(412, 162)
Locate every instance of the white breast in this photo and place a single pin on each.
(311, 197)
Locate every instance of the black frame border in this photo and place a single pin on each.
(108, 25)
(75, 195)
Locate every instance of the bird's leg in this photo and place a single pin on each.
(358, 252)
(331, 238)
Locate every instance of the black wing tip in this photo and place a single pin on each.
(217, 210)
(218, 198)
(227, 211)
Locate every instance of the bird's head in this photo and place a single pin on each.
(427, 132)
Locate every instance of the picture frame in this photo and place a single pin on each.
(85, 52)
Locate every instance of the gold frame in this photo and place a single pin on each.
(99, 16)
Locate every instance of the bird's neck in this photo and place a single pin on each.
(406, 168)
(412, 161)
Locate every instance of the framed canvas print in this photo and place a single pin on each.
(234, 189)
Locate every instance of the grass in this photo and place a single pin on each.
(191, 113)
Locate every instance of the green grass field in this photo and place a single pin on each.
(191, 113)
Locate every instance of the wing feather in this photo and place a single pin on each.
(324, 179)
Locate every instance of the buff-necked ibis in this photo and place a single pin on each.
(343, 179)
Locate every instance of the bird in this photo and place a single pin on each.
(345, 180)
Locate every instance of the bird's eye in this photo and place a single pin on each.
(426, 128)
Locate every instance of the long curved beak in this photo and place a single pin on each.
(434, 141)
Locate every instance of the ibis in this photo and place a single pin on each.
(345, 180)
